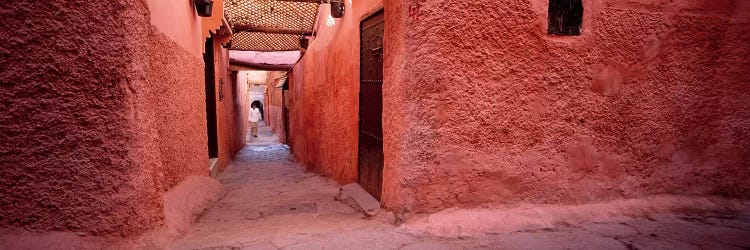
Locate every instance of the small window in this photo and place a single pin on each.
(565, 17)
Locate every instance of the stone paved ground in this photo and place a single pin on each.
(274, 203)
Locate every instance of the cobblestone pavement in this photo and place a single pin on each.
(274, 203)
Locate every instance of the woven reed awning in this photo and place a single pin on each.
(270, 25)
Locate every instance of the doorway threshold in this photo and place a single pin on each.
(364, 200)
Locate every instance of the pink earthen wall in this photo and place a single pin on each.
(651, 99)
(242, 106)
(75, 147)
(178, 98)
(231, 108)
(275, 118)
(178, 21)
(482, 106)
(324, 94)
(102, 113)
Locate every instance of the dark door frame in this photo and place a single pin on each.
(370, 159)
(211, 120)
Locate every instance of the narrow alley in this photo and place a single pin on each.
(383, 124)
(272, 202)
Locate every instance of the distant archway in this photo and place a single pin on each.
(259, 105)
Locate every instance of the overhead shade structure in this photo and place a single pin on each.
(270, 25)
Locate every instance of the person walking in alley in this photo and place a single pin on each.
(253, 118)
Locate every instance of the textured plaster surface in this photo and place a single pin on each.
(509, 219)
(178, 20)
(183, 204)
(75, 150)
(95, 127)
(324, 95)
(275, 118)
(651, 99)
(232, 108)
(178, 98)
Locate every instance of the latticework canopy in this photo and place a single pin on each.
(269, 25)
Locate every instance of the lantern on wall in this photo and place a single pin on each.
(337, 9)
(203, 7)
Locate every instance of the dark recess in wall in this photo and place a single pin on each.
(565, 17)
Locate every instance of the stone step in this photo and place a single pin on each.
(363, 200)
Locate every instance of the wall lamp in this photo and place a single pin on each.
(203, 7)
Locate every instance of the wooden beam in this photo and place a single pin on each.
(248, 65)
(250, 28)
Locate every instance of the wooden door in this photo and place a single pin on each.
(370, 162)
